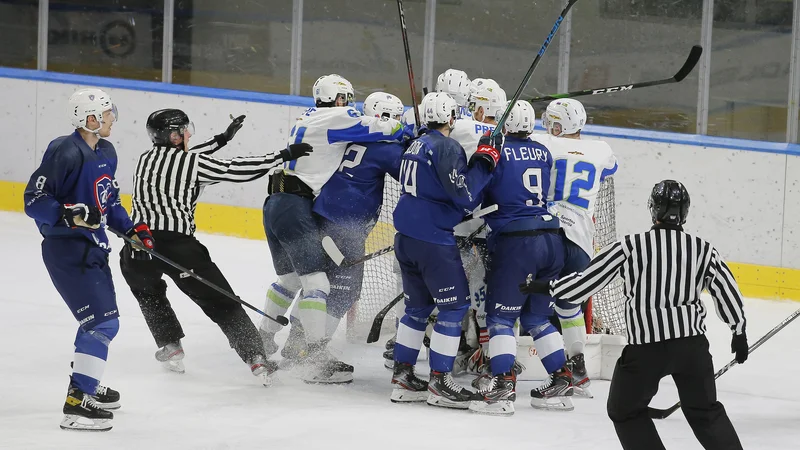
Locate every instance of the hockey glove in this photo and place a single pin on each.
(81, 215)
(295, 151)
(739, 346)
(233, 128)
(141, 233)
(487, 151)
(531, 286)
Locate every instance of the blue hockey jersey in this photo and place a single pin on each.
(71, 172)
(519, 187)
(354, 193)
(439, 189)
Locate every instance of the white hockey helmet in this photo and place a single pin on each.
(456, 83)
(89, 102)
(568, 113)
(488, 94)
(328, 87)
(438, 107)
(382, 104)
(521, 118)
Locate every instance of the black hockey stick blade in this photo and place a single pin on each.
(685, 70)
(280, 319)
(499, 127)
(655, 413)
(377, 323)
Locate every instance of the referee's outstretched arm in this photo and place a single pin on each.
(579, 286)
(721, 284)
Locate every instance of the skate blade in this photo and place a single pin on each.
(174, 366)
(388, 363)
(442, 402)
(73, 422)
(582, 391)
(266, 379)
(110, 406)
(499, 408)
(335, 378)
(553, 403)
(406, 396)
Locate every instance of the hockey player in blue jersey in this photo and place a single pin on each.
(73, 196)
(439, 188)
(524, 239)
(291, 229)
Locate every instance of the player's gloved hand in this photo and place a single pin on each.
(739, 346)
(531, 286)
(295, 151)
(81, 215)
(233, 128)
(141, 234)
(488, 150)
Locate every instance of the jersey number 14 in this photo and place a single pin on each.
(408, 176)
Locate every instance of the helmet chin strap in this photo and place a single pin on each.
(97, 131)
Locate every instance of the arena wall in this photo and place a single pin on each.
(745, 194)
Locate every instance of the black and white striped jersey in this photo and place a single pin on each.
(168, 181)
(664, 271)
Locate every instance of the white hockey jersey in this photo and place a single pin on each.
(329, 131)
(579, 168)
(468, 132)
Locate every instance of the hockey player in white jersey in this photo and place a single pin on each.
(456, 83)
(292, 232)
(579, 169)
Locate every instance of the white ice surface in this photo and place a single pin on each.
(218, 404)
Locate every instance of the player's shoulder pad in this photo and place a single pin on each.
(64, 148)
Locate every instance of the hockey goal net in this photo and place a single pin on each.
(382, 281)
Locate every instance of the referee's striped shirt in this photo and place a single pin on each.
(168, 182)
(664, 271)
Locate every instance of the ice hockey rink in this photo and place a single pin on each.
(218, 404)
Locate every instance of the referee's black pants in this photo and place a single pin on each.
(146, 283)
(635, 382)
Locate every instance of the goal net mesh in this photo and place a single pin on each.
(382, 281)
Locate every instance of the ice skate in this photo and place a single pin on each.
(580, 379)
(498, 396)
(388, 359)
(463, 356)
(268, 339)
(408, 388)
(82, 413)
(263, 368)
(295, 350)
(106, 398)
(171, 355)
(555, 393)
(326, 368)
(445, 392)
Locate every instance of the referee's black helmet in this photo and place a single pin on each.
(669, 203)
(166, 127)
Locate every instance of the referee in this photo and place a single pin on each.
(168, 180)
(664, 271)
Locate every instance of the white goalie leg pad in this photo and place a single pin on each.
(312, 308)
(279, 297)
(573, 329)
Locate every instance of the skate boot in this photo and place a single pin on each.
(81, 413)
(171, 356)
(388, 359)
(555, 393)
(294, 350)
(390, 343)
(498, 396)
(408, 387)
(326, 368)
(580, 379)
(268, 339)
(106, 398)
(263, 368)
(445, 392)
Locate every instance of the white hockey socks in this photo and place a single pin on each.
(279, 297)
(312, 308)
(573, 328)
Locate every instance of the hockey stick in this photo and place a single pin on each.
(688, 66)
(499, 127)
(377, 324)
(408, 61)
(655, 413)
(280, 319)
(336, 255)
